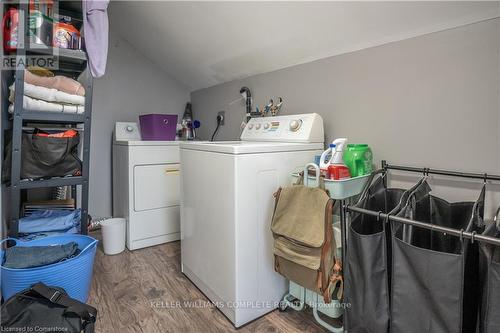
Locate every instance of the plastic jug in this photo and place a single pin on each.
(359, 159)
(324, 160)
(337, 170)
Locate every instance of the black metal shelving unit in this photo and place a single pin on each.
(70, 61)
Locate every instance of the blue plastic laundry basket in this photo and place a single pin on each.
(73, 275)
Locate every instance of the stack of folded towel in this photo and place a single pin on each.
(50, 93)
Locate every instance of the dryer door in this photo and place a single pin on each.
(156, 186)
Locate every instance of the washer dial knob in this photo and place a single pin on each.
(250, 126)
(257, 126)
(266, 125)
(295, 125)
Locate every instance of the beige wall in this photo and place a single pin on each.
(427, 101)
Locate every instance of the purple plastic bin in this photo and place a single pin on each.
(158, 127)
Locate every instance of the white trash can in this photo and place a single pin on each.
(113, 235)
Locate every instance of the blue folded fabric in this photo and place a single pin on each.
(48, 221)
(38, 235)
(35, 256)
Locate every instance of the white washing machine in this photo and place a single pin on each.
(146, 187)
(226, 209)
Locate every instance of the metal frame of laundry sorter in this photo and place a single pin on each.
(446, 230)
(69, 61)
(346, 208)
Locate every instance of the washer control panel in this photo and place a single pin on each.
(291, 128)
(127, 132)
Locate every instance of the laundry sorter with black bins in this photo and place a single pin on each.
(415, 262)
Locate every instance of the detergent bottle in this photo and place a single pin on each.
(359, 159)
(337, 170)
(324, 160)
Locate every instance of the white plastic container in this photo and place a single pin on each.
(339, 189)
(113, 235)
(326, 158)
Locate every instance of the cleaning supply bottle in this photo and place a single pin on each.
(324, 160)
(337, 170)
(359, 159)
(10, 24)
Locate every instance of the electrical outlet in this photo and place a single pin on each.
(223, 114)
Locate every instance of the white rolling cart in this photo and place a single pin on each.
(298, 296)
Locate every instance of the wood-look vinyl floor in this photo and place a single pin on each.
(145, 291)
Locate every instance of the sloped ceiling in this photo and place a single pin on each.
(202, 44)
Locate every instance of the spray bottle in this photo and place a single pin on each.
(337, 170)
(325, 159)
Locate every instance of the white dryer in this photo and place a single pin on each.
(226, 208)
(146, 187)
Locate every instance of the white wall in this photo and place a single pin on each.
(430, 101)
(238, 39)
(131, 86)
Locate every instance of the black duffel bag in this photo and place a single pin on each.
(44, 157)
(45, 309)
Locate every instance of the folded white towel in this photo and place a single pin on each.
(50, 94)
(39, 105)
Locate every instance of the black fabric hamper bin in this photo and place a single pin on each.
(435, 283)
(489, 261)
(367, 271)
(44, 157)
